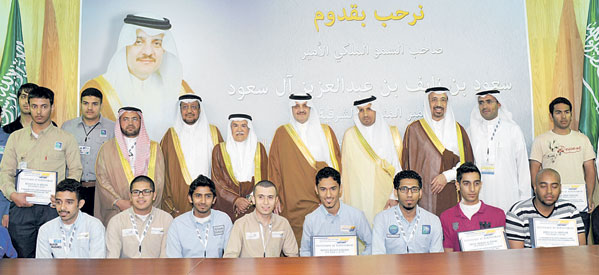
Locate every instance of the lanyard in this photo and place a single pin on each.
(140, 239)
(205, 241)
(492, 138)
(403, 232)
(67, 244)
(262, 235)
(90, 130)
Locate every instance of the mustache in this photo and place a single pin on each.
(145, 56)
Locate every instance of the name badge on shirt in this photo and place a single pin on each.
(487, 169)
(83, 236)
(58, 146)
(392, 236)
(128, 232)
(23, 165)
(103, 133)
(157, 230)
(55, 243)
(426, 229)
(348, 228)
(1, 150)
(277, 234)
(252, 235)
(84, 150)
(218, 230)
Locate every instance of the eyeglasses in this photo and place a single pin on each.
(145, 192)
(413, 189)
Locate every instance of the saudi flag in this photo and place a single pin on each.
(589, 109)
(12, 69)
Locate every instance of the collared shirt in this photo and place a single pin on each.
(187, 237)
(249, 239)
(453, 221)
(53, 150)
(89, 138)
(348, 221)
(387, 237)
(518, 218)
(122, 239)
(4, 203)
(86, 239)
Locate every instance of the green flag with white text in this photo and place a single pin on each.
(13, 73)
(589, 109)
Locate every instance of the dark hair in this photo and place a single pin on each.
(41, 92)
(69, 185)
(467, 167)
(27, 87)
(328, 172)
(559, 100)
(406, 174)
(92, 92)
(200, 181)
(144, 179)
(265, 184)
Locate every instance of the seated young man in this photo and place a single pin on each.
(545, 204)
(406, 227)
(332, 217)
(470, 213)
(73, 234)
(262, 233)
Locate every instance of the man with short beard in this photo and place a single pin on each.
(129, 154)
(545, 204)
(187, 149)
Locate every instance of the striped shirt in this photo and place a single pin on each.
(518, 217)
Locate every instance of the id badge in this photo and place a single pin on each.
(23, 165)
(84, 150)
(487, 169)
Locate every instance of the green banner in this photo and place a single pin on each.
(13, 73)
(589, 109)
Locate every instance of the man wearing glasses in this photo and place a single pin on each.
(406, 227)
(140, 231)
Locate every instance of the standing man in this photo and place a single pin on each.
(545, 204)
(187, 149)
(568, 152)
(332, 217)
(406, 228)
(434, 147)
(145, 71)
(470, 213)
(140, 231)
(298, 150)
(370, 155)
(500, 152)
(90, 130)
(237, 165)
(74, 234)
(202, 232)
(262, 233)
(24, 119)
(4, 203)
(38, 146)
(129, 154)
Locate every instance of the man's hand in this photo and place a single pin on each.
(438, 184)
(390, 203)
(241, 205)
(5, 221)
(20, 199)
(591, 205)
(123, 204)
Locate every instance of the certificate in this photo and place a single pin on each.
(483, 239)
(334, 245)
(575, 194)
(553, 232)
(42, 184)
